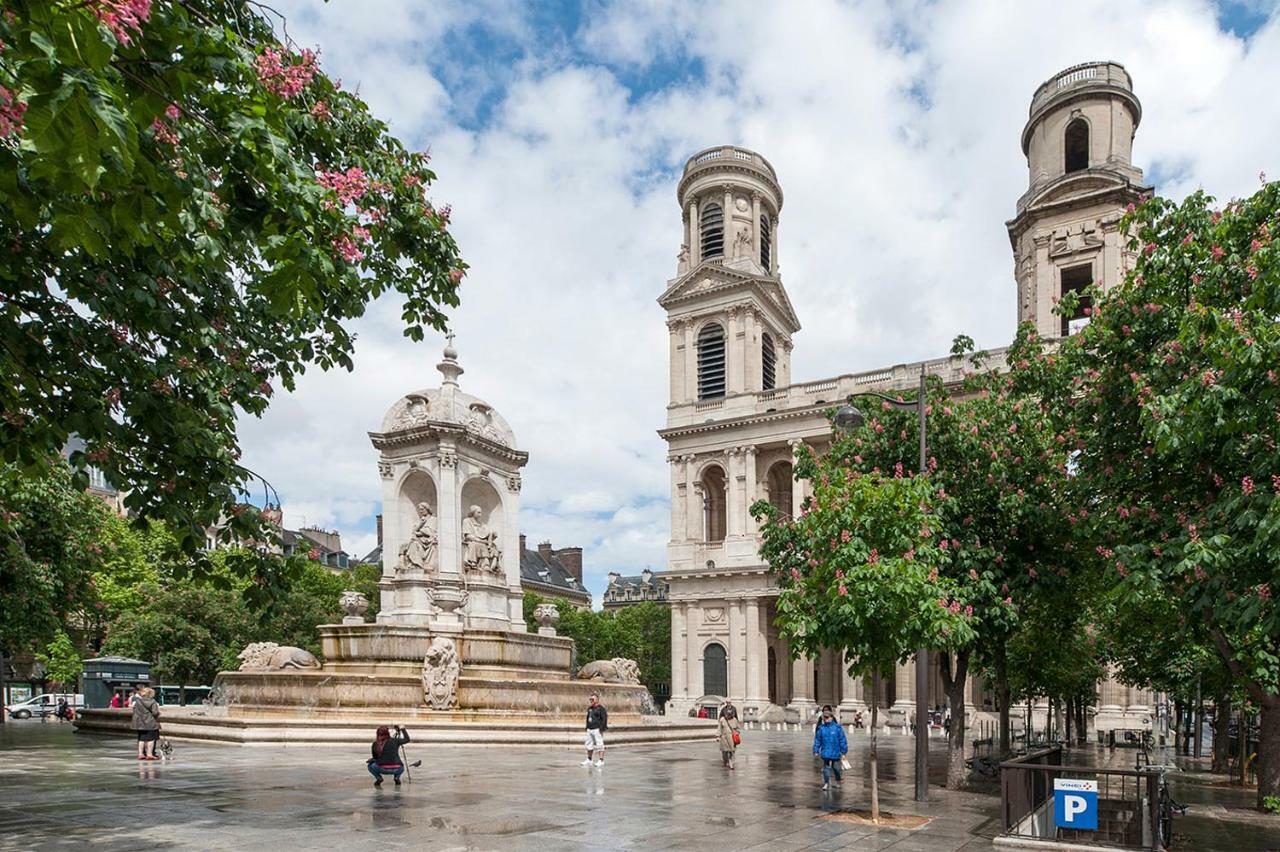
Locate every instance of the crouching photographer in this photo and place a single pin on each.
(386, 758)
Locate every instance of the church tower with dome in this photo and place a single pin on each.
(451, 502)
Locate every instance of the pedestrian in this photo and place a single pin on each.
(386, 754)
(146, 721)
(730, 734)
(62, 712)
(597, 724)
(830, 744)
(116, 703)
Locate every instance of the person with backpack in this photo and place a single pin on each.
(830, 744)
(386, 754)
(146, 721)
(730, 736)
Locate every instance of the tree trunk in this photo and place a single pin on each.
(1177, 727)
(1002, 698)
(957, 774)
(1222, 734)
(4, 684)
(1268, 748)
(1082, 723)
(1198, 716)
(182, 694)
(1069, 713)
(875, 723)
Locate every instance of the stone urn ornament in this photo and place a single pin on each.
(355, 605)
(547, 616)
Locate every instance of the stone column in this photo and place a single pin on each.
(802, 684)
(733, 497)
(755, 226)
(1110, 695)
(695, 515)
(773, 250)
(679, 652)
(728, 222)
(735, 352)
(737, 651)
(851, 695)
(797, 485)
(905, 684)
(678, 484)
(450, 523)
(757, 653)
(693, 665)
(1047, 322)
(679, 392)
(690, 364)
(750, 527)
(695, 250)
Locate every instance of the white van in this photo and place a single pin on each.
(44, 705)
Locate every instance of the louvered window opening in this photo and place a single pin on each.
(711, 234)
(711, 362)
(766, 232)
(768, 360)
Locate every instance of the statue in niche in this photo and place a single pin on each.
(742, 242)
(419, 552)
(682, 259)
(479, 545)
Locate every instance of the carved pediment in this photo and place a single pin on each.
(1072, 188)
(711, 278)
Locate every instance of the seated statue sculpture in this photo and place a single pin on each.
(479, 545)
(419, 552)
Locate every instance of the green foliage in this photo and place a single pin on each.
(1271, 804)
(191, 213)
(50, 548)
(641, 632)
(189, 633)
(62, 662)
(858, 570)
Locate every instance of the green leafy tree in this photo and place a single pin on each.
(187, 632)
(62, 662)
(996, 474)
(1173, 390)
(859, 573)
(191, 214)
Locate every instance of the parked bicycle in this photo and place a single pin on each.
(1166, 808)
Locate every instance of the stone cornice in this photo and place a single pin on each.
(385, 441)
(679, 291)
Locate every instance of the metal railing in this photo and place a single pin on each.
(1128, 813)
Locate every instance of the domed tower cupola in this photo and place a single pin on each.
(1078, 141)
(730, 318)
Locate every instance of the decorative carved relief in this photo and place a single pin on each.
(384, 469)
(713, 614)
(448, 459)
(1074, 239)
(416, 412)
(440, 670)
(513, 483)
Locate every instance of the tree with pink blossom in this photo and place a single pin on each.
(1174, 392)
(192, 213)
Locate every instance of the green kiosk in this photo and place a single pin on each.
(105, 676)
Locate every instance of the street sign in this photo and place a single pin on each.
(1075, 803)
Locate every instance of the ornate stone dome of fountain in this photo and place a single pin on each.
(448, 408)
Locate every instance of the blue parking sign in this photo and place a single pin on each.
(1075, 803)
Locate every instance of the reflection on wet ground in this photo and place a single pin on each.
(63, 791)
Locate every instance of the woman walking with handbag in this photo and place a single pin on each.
(730, 734)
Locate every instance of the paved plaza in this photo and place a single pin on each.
(60, 790)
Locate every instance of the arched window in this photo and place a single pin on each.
(768, 361)
(778, 482)
(714, 503)
(766, 234)
(1076, 145)
(711, 362)
(715, 670)
(711, 232)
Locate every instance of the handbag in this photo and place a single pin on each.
(844, 764)
(737, 738)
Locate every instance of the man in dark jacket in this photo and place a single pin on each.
(386, 755)
(597, 724)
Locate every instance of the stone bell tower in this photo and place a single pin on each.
(1078, 141)
(730, 319)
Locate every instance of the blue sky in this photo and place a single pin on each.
(558, 128)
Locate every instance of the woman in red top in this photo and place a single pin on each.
(386, 755)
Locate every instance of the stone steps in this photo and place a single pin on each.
(356, 728)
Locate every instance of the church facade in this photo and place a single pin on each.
(736, 416)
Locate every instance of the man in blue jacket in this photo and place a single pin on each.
(829, 743)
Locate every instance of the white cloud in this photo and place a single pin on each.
(894, 129)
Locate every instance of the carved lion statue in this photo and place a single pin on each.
(617, 670)
(268, 656)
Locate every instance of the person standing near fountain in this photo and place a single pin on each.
(597, 724)
(386, 755)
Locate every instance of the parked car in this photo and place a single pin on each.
(44, 705)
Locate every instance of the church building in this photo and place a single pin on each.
(736, 416)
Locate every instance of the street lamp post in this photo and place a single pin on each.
(848, 418)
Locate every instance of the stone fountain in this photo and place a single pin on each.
(450, 648)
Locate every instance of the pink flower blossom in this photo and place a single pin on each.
(968, 610)
(1200, 573)
(1218, 253)
(11, 111)
(1031, 572)
(1009, 601)
(845, 535)
(349, 185)
(944, 544)
(942, 602)
(843, 591)
(910, 556)
(1187, 240)
(121, 16)
(1264, 592)
(1150, 248)
(954, 607)
(347, 248)
(285, 79)
(1246, 485)
(973, 573)
(873, 557)
(320, 111)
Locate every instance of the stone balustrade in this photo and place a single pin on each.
(1078, 76)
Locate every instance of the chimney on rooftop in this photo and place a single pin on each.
(544, 551)
(522, 547)
(571, 559)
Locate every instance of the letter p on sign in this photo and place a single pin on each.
(1075, 803)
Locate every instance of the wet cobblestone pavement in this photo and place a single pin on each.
(59, 790)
